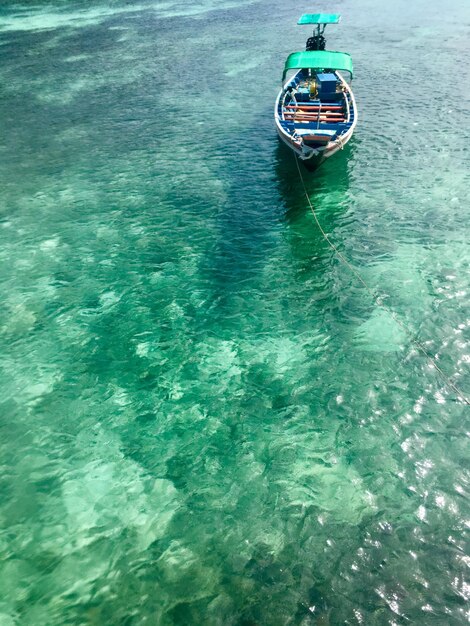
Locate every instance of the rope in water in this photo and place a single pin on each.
(378, 300)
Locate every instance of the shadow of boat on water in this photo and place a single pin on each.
(331, 177)
(265, 199)
(328, 191)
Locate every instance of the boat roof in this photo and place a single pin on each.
(319, 18)
(318, 59)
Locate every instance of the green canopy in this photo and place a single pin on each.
(319, 18)
(318, 60)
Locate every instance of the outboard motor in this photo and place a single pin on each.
(316, 42)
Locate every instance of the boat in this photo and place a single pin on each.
(315, 111)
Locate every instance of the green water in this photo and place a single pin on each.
(205, 420)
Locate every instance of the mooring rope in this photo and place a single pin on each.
(378, 300)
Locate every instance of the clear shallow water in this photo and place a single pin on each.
(204, 418)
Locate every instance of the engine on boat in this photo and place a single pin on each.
(316, 42)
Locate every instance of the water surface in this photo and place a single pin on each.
(205, 419)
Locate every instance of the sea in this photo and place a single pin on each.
(206, 419)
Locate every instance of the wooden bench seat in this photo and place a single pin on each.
(314, 107)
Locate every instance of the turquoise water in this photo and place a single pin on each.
(205, 419)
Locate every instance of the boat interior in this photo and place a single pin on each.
(316, 107)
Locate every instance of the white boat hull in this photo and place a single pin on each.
(314, 157)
